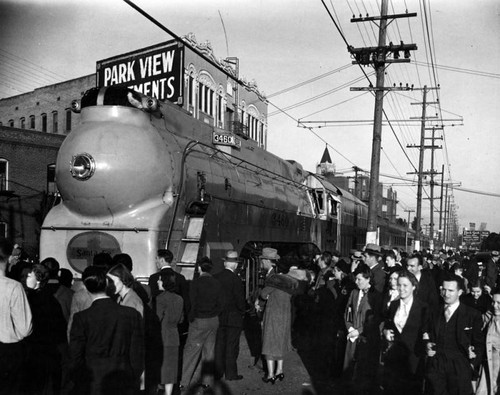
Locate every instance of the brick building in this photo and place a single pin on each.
(34, 124)
(27, 187)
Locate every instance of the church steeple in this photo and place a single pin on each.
(326, 157)
(326, 165)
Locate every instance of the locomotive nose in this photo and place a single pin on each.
(115, 161)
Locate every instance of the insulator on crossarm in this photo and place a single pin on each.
(407, 54)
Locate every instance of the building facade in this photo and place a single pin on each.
(33, 125)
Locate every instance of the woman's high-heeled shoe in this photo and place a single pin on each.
(271, 380)
(280, 376)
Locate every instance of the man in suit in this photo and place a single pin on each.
(455, 344)
(207, 301)
(227, 344)
(106, 342)
(492, 271)
(426, 290)
(164, 264)
(373, 258)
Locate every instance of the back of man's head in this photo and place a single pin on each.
(102, 259)
(94, 279)
(206, 264)
(5, 250)
(123, 259)
(166, 255)
(52, 266)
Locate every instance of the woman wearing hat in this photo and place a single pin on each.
(277, 320)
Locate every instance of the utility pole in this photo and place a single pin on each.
(445, 225)
(421, 174)
(377, 57)
(433, 172)
(407, 228)
(441, 207)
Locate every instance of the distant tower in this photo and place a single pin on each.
(325, 166)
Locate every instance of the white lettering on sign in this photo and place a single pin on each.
(156, 64)
(161, 89)
(119, 73)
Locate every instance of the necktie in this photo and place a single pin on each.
(447, 313)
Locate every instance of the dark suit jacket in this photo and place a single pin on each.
(491, 274)
(107, 348)
(469, 324)
(427, 291)
(234, 299)
(408, 347)
(378, 277)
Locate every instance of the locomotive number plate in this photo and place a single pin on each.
(226, 139)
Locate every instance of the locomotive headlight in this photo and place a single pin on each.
(82, 166)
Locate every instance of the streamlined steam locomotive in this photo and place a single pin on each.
(138, 175)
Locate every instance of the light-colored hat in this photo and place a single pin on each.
(373, 249)
(357, 255)
(270, 253)
(231, 256)
(495, 253)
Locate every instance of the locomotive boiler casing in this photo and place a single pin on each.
(129, 181)
(123, 202)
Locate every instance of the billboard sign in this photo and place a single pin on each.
(155, 71)
(475, 236)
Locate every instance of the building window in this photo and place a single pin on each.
(11, 123)
(44, 122)
(51, 179)
(54, 122)
(22, 122)
(68, 120)
(220, 111)
(4, 229)
(4, 174)
(206, 94)
(191, 91)
(32, 122)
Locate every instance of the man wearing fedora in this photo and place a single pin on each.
(268, 259)
(356, 259)
(373, 256)
(227, 344)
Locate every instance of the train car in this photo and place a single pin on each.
(138, 175)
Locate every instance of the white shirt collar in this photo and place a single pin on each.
(452, 307)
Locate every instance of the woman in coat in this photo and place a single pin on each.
(403, 331)
(277, 322)
(489, 378)
(169, 309)
(123, 282)
(362, 319)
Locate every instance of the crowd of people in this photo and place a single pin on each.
(377, 322)
(423, 323)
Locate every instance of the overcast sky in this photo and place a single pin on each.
(285, 43)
